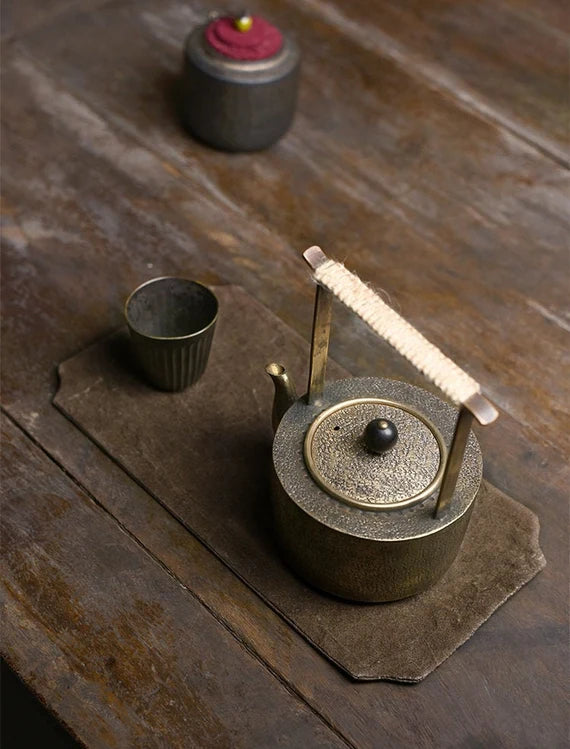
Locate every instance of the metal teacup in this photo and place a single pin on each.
(172, 322)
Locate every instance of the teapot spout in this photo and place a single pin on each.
(285, 393)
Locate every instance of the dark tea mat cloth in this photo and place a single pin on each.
(205, 455)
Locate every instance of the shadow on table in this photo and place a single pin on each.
(25, 722)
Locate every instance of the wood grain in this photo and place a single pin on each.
(21, 16)
(133, 659)
(459, 219)
(491, 56)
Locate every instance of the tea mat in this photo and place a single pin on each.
(205, 455)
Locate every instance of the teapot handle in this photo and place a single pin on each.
(334, 280)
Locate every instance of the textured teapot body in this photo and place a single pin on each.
(372, 549)
(360, 569)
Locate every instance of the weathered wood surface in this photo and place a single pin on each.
(492, 56)
(397, 177)
(457, 217)
(104, 623)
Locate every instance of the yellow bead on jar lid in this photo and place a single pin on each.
(243, 22)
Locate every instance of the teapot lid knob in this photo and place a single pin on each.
(380, 435)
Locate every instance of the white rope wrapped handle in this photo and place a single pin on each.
(389, 325)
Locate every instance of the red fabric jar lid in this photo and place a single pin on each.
(261, 41)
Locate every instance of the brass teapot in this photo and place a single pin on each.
(374, 480)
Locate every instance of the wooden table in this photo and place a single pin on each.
(429, 151)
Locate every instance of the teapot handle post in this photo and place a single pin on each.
(478, 407)
(319, 344)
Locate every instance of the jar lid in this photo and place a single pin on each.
(260, 41)
(340, 461)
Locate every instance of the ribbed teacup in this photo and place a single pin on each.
(172, 322)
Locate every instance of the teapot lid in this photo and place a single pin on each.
(396, 522)
(344, 453)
